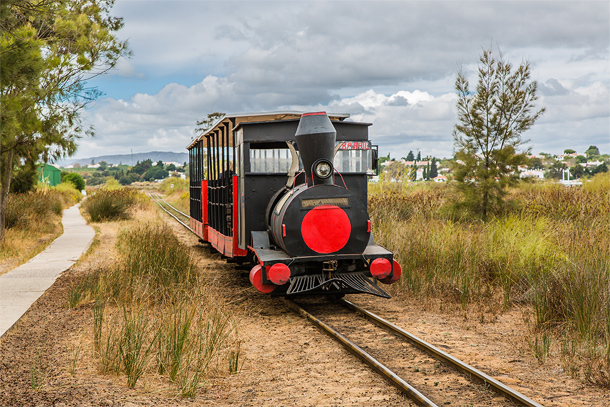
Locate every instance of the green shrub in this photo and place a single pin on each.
(76, 180)
(110, 204)
(112, 183)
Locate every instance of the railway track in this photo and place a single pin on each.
(400, 356)
(405, 355)
(172, 211)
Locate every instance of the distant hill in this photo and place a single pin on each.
(129, 159)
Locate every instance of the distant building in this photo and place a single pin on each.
(539, 174)
(49, 175)
(593, 163)
(568, 156)
(416, 163)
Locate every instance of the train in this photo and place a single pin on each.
(287, 192)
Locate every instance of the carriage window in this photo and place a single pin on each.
(354, 156)
(270, 160)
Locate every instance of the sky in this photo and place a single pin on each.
(389, 63)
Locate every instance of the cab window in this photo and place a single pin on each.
(354, 156)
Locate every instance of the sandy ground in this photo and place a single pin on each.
(288, 362)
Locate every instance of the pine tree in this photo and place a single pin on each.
(488, 133)
(48, 51)
(433, 169)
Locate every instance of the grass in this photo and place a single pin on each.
(155, 265)
(133, 343)
(551, 250)
(108, 204)
(74, 355)
(176, 192)
(39, 370)
(33, 221)
(173, 185)
(235, 364)
(153, 314)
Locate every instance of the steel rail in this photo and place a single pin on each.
(171, 206)
(445, 357)
(412, 393)
(157, 200)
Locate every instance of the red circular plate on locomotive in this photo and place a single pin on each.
(326, 229)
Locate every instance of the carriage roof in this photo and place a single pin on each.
(231, 121)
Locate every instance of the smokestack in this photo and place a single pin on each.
(316, 138)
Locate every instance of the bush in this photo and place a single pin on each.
(24, 211)
(155, 173)
(153, 265)
(598, 183)
(76, 180)
(69, 194)
(110, 204)
(92, 181)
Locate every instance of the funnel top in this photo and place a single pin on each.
(314, 123)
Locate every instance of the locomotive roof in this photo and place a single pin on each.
(231, 121)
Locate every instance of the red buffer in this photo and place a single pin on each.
(396, 272)
(381, 268)
(278, 274)
(256, 278)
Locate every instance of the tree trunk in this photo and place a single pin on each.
(5, 183)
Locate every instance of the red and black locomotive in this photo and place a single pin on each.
(288, 192)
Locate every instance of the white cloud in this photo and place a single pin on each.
(402, 121)
(389, 63)
(126, 69)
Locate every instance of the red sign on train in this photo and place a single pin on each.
(355, 145)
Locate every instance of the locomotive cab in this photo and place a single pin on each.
(294, 202)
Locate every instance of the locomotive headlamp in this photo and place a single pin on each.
(323, 169)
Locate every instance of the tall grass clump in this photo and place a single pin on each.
(180, 340)
(155, 264)
(551, 250)
(110, 204)
(152, 313)
(135, 344)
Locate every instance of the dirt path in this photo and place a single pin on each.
(288, 362)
